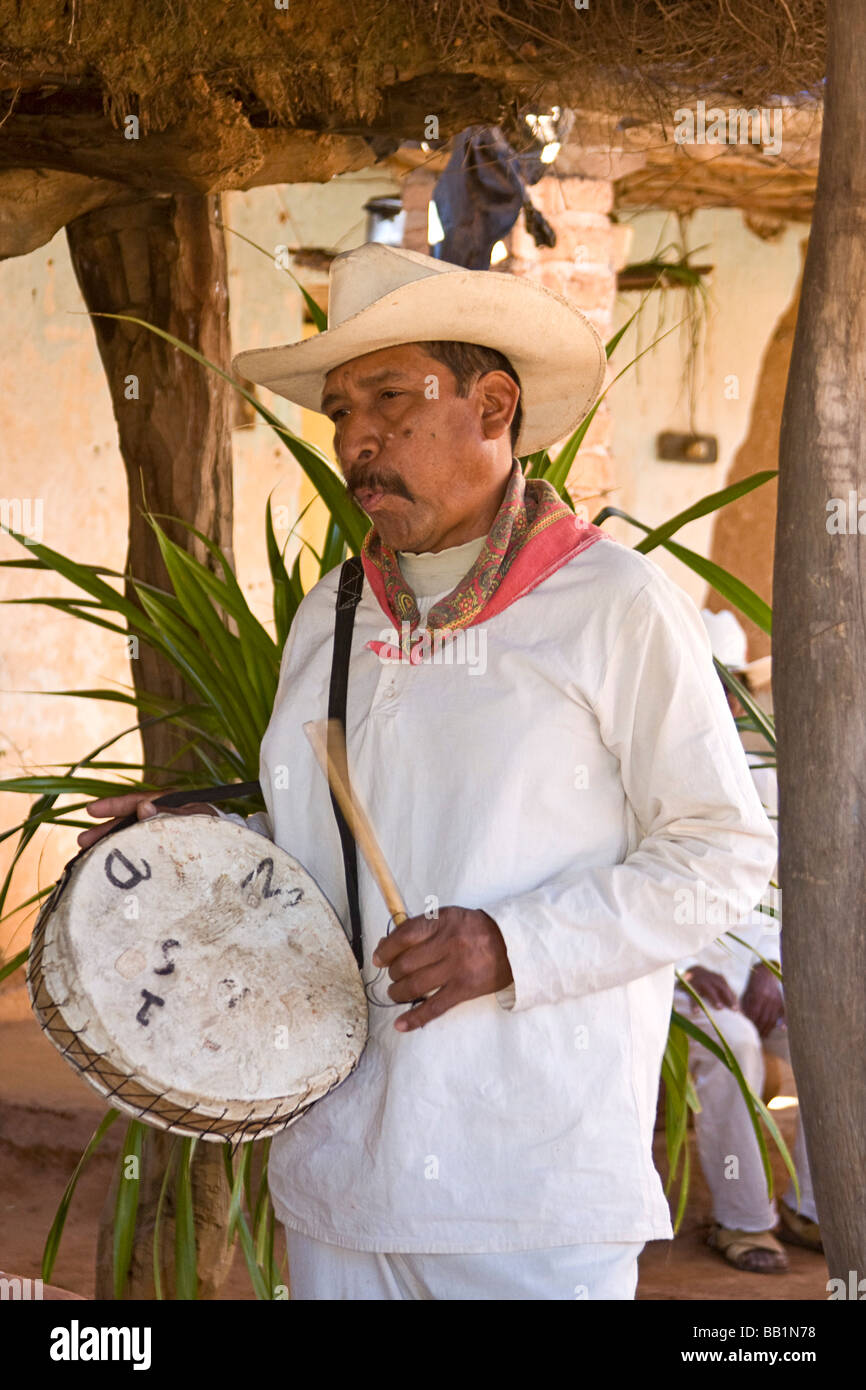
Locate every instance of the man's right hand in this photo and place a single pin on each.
(138, 803)
(712, 987)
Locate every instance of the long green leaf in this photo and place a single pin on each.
(762, 722)
(90, 583)
(170, 1167)
(334, 549)
(318, 315)
(342, 506)
(10, 966)
(202, 618)
(285, 601)
(238, 1184)
(753, 1103)
(185, 1255)
(534, 465)
(44, 806)
(126, 1205)
(42, 565)
(231, 595)
(771, 965)
(115, 764)
(204, 675)
(142, 700)
(758, 1104)
(556, 470)
(270, 1267)
(559, 468)
(613, 343)
(731, 588)
(256, 1276)
(262, 1207)
(27, 902)
(680, 1098)
(64, 786)
(257, 648)
(295, 580)
(74, 608)
(711, 503)
(52, 1243)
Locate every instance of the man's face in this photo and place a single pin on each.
(428, 466)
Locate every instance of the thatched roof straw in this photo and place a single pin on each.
(353, 65)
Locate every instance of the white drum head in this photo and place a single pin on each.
(196, 975)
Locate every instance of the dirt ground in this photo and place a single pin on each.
(47, 1115)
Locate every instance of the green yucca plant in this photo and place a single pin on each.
(234, 675)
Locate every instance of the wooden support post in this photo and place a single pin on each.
(819, 683)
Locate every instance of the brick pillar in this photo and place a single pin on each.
(589, 251)
(418, 188)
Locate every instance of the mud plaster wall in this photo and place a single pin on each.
(751, 288)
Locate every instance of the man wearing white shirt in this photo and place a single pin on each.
(539, 806)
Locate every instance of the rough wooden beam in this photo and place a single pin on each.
(36, 203)
(194, 157)
(306, 156)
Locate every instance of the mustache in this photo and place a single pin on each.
(379, 481)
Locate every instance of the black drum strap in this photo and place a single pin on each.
(348, 598)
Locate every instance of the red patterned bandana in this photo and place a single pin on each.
(533, 533)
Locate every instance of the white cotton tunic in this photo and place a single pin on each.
(579, 767)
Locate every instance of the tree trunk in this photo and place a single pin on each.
(819, 684)
(163, 260)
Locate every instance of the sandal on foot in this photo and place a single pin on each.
(796, 1229)
(756, 1252)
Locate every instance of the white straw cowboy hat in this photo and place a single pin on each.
(381, 296)
(730, 646)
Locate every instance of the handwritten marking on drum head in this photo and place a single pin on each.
(168, 968)
(266, 865)
(135, 875)
(149, 999)
(130, 963)
(235, 993)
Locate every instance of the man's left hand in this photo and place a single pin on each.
(460, 954)
(763, 1001)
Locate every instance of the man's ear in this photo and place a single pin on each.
(498, 395)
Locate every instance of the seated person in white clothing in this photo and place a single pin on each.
(747, 1002)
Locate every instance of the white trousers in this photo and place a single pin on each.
(321, 1271)
(726, 1142)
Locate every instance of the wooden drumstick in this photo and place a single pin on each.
(328, 742)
